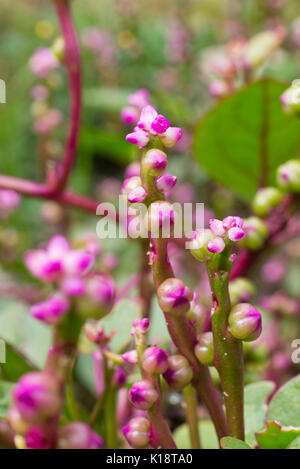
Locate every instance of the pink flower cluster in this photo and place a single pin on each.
(230, 227)
(152, 124)
(68, 268)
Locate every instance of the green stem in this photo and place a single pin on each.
(190, 398)
(110, 419)
(228, 350)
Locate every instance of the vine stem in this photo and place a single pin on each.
(72, 62)
(228, 350)
(190, 398)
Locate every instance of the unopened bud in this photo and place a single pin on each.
(288, 176)
(100, 296)
(240, 290)
(245, 322)
(197, 314)
(166, 182)
(155, 360)
(155, 161)
(199, 244)
(265, 200)
(174, 296)
(142, 394)
(204, 349)
(290, 99)
(138, 432)
(78, 435)
(36, 397)
(179, 372)
(256, 232)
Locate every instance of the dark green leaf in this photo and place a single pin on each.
(246, 136)
(15, 364)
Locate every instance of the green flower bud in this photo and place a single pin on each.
(204, 349)
(256, 232)
(198, 245)
(58, 48)
(241, 289)
(288, 176)
(245, 322)
(265, 200)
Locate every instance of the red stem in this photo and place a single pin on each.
(72, 62)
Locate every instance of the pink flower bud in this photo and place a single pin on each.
(216, 227)
(161, 215)
(171, 136)
(47, 122)
(73, 286)
(38, 438)
(155, 360)
(78, 435)
(148, 115)
(179, 372)
(235, 234)
(204, 349)
(140, 326)
(100, 296)
(78, 262)
(245, 322)
(119, 377)
(288, 176)
(174, 296)
(142, 395)
(139, 99)
(130, 357)
(137, 195)
(9, 200)
(159, 125)
(130, 184)
(155, 161)
(39, 93)
(232, 222)
(42, 62)
(52, 310)
(216, 245)
(138, 432)
(36, 397)
(133, 169)
(166, 182)
(41, 266)
(139, 138)
(94, 331)
(130, 115)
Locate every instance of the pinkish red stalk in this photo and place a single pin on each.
(72, 61)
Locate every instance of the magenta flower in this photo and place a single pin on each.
(142, 395)
(138, 432)
(153, 124)
(155, 360)
(130, 357)
(216, 245)
(52, 310)
(42, 62)
(166, 182)
(36, 397)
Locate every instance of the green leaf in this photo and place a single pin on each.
(295, 444)
(208, 436)
(15, 364)
(285, 405)
(256, 395)
(276, 436)
(246, 136)
(233, 443)
(5, 398)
